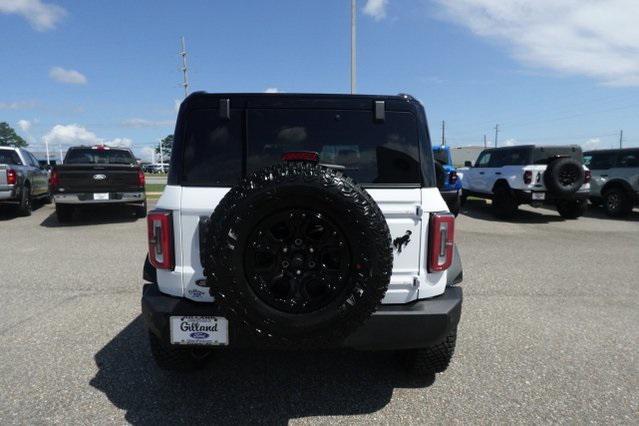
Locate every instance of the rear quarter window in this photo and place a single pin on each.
(9, 157)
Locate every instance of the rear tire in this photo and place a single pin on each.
(617, 203)
(572, 209)
(179, 359)
(47, 199)
(504, 203)
(64, 213)
(26, 203)
(433, 359)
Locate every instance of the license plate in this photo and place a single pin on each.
(101, 196)
(538, 195)
(199, 331)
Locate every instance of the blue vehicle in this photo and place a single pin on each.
(448, 182)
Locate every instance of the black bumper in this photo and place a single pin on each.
(524, 197)
(415, 325)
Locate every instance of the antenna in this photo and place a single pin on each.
(185, 69)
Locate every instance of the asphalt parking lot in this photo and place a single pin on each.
(549, 333)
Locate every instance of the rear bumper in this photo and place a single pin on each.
(415, 325)
(87, 198)
(525, 197)
(10, 194)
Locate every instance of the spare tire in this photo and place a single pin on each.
(440, 174)
(564, 176)
(299, 254)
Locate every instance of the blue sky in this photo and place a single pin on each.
(562, 71)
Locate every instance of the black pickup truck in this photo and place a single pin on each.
(97, 175)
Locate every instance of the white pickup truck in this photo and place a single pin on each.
(529, 174)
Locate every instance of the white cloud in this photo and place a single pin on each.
(593, 38)
(376, 9)
(272, 90)
(24, 125)
(592, 143)
(510, 142)
(141, 122)
(73, 134)
(147, 153)
(42, 16)
(67, 76)
(17, 104)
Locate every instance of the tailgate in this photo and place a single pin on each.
(3, 174)
(98, 178)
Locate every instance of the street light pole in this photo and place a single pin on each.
(353, 45)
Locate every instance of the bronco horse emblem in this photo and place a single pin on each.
(402, 241)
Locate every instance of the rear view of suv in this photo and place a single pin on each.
(530, 174)
(301, 221)
(615, 179)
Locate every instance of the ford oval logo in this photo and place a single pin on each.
(199, 335)
(99, 177)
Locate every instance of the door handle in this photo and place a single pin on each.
(603, 175)
(497, 173)
(481, 173)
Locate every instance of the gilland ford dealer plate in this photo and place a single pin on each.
(538, 195)
(101, 196)
(199, 331)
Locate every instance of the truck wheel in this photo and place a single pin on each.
(617, 202)
(64, 213)
(47, 199)
(564, 176)
(299, 255)
(26, 203)
(504, 203)
(140, 211)
(433, 359)
(572, 209)
(172, 358)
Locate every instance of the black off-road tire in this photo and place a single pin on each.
(564, 176)
(462, 198)
(433, 359)
(572, 209)
(617, 202)
(26, 202)
(504, 203)
(64, 213)
(298, 187)
(455, 206)
(178, 359)
(140, 210)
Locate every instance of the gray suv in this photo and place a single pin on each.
(615, 179)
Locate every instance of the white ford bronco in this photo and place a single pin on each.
(529, 174)
(298, 222)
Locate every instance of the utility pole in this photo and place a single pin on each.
(161, 156)
(353, 45)
(485, 146)
(60, 150)
(185, 70)
(443, 133)
(46, 145)
(496, 133)
(620, 138)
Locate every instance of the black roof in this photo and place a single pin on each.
(536, 146)
(610, 150)
(300, 100)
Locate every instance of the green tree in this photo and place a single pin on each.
(8, 136)
(167, 146)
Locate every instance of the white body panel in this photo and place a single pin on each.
(405, 209)
(482, 179)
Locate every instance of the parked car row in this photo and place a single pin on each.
(89, 175)
(562, 176)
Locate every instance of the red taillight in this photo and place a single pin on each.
(528, 177)
(141, 179)
(441, 241)
(587, 176)
(54, 179)
(160, 231)
(452, 177)
(12, 177)
(301, 156)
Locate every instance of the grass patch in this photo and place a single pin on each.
(155, 187)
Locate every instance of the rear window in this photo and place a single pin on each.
(99, 156)
(219, 152)
(9, 157)
(600, 160)
(541, 155)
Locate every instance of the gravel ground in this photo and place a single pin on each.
(549, 333)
